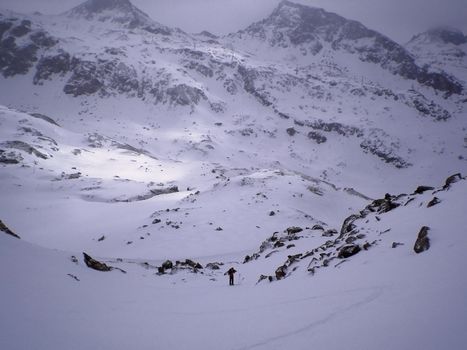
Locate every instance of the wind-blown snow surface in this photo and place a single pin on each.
(137, 143)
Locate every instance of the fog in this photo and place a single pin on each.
(398, 19)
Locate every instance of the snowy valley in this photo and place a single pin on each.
(323, 161)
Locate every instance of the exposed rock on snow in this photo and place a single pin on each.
(94, 264)
(348, 251)
(5, 229)
(423, 242)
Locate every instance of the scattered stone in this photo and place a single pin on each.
(318, 227)
(94, 264)
(272, 213)
(433, 202)
(396, 244)
(74, 259)
(219, 229)
(290, 246)
(423, 242)
(348, 251)
(101, 239)
(5, 229)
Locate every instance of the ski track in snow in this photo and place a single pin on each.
(374, 294)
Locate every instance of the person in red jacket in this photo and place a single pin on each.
(231, 274)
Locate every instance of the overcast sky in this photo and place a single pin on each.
(398, 19)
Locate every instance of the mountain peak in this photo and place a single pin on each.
(118, 11)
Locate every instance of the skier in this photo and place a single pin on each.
(231, 273)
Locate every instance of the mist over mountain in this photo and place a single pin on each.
(317, 157)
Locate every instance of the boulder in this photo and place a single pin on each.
(348, 250)
(94, 264)
(423, 242)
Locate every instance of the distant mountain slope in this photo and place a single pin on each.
(441, 49)
(309, 30)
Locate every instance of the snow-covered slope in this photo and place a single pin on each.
(264, 150)
(384, 297)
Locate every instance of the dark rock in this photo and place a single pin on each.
(294, 229)
(317, 137)
(272, 213)
(290, 246)
(213, 266)
(281, 272)
(367, 246)
(101, 238)
(348, 251)
(156, 221)
(318, 227)
(433, 202)
(423, 242)
(421, 189)
(396, 244)
(73, 276)
(452, 179)
(278, 244)
(44, 117)
(22, 29)
(348, 224)
(94, 264)
(262, 278)
(5, 229)
(329, 233)
(167, 265)
(50, 65)
(291, 131)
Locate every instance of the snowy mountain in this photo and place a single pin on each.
(441, 49)
(168, 157)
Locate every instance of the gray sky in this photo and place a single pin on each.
(398, 19)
